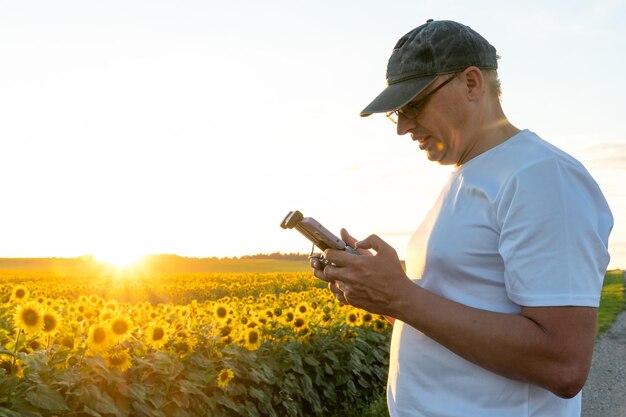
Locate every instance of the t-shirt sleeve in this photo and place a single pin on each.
(554, 224)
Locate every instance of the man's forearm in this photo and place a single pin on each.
(551, 349)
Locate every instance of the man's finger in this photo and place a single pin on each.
(339, 295)
(332, 271)
(340, 286)
(351, 241)
(319, 273)
(332, 286)
(339, 257)
(348, 238)
(314, 261)
(374, 242)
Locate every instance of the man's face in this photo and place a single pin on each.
(436, 125)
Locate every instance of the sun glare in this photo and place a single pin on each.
(119, 260)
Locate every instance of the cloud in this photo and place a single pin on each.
(612, 156)
(618, 249)
(618, 254)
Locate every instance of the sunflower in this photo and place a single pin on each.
(302, 308)
(157, 336)
(8, 366)
(353, 318)
(111, 306)
(67, 341)
(224, 333)
(50, 322)
(20, 293)
(35, 344)
(28, 317)
(367, 318)
(120, 360)
(380, 325)
(252, 338)
(105, 315)
(299, 323)
(120, 327)
(184, 342)
(99, 338)
(288, 316)
(305, 334)
(221, 311)
(224, 377)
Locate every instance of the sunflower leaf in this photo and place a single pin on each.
(43, 396)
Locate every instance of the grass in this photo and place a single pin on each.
(612, 301)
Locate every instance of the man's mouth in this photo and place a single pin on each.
(421, 139)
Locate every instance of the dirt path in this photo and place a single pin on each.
(604, 394)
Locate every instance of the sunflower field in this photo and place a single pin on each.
(184, 344)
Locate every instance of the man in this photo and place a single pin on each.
(496, 313)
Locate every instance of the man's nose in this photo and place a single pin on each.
(405, 125)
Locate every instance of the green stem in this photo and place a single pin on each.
(82, 356)
(13, 368)
(19, 332)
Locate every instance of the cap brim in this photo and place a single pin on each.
(397, 95)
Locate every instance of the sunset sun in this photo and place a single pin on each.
(119, 259)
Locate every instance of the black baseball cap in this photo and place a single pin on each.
(420, 56)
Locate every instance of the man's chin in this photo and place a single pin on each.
(433, 156)
(438, 157)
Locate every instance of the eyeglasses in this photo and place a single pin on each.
(412, 110)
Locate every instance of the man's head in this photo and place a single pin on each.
(428, 51)
(443, 90)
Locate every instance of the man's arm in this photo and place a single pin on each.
(547, 346)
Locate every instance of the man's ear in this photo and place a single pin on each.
(474, 83)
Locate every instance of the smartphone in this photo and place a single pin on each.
(314, 231)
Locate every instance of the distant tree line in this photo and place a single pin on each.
(293, 256)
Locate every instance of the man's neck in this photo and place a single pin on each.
(492, 129)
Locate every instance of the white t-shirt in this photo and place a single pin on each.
(522, 224)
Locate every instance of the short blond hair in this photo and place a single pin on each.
(493, 82)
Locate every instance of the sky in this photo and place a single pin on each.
(194, 127)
